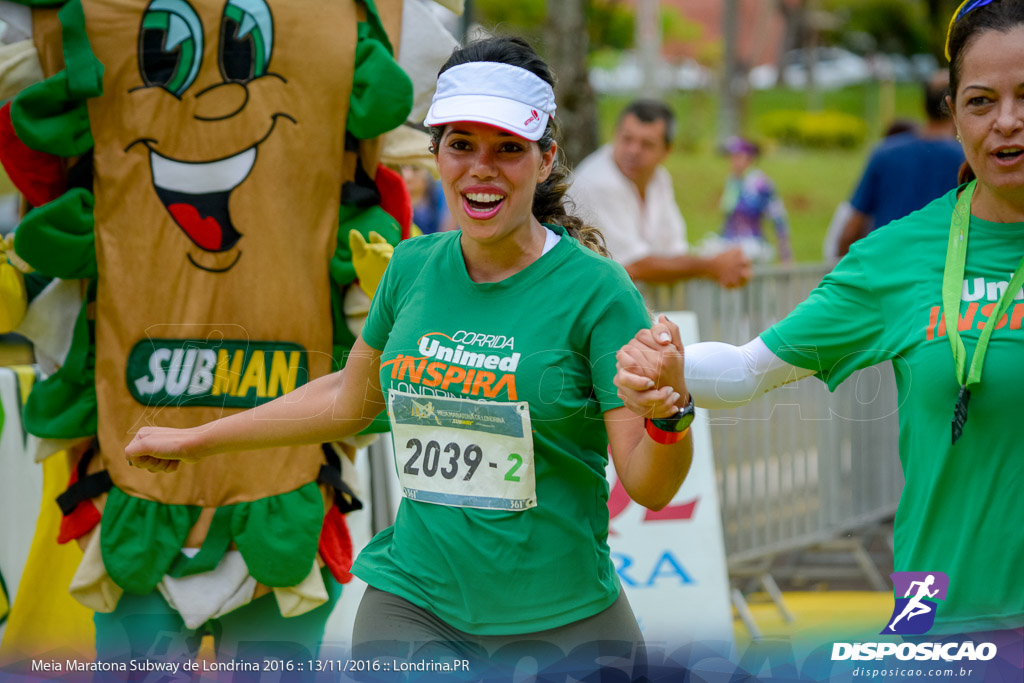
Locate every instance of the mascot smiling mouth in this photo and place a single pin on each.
(196, 194)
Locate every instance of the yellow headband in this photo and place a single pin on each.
(956, 15)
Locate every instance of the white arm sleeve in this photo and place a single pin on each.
(725, 376)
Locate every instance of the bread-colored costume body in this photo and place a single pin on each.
(203, 156)
(216, 214)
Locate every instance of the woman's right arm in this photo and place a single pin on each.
(717, 375)
(725, 376)
(329, 408)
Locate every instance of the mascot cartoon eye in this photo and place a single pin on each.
(170, 45)
(246, 40)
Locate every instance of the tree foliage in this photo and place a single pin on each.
(523, 18)
(895, 26)
(609, 22)
(677, 28)
(519, 14)
(610, 25)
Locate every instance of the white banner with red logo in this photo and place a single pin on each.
(671, 563)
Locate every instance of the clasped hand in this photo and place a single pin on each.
(649, 371)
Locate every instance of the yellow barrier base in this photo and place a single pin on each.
(819, 615)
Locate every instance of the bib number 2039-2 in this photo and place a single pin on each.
(464, 453)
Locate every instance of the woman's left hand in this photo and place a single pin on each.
(163, 449)
(649, 374)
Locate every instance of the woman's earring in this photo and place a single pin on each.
(958, 138)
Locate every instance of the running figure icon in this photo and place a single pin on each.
(915, 607)
(424, 411)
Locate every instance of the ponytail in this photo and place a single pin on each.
(965, 175)
(549, 200)
(549, 207)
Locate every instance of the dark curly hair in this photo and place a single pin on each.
(549, 201)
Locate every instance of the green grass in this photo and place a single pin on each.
(812, 182)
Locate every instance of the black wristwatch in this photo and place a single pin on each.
(677, 423)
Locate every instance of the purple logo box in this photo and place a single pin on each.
(901, 583)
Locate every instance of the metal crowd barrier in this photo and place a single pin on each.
(800, 466)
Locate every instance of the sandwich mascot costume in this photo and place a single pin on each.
(205, 217)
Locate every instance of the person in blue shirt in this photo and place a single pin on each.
(429, 210)
(906, 171)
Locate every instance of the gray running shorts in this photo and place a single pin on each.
(402, 638)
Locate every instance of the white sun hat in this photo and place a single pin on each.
(501, 95)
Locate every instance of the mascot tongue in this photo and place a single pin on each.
(205, 232)
(203, 217)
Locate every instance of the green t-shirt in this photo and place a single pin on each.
(547, 336)
(962, 506)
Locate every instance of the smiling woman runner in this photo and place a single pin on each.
(493, 348)
(937, 293)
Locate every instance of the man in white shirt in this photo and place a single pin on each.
(624, 190)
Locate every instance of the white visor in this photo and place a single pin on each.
(500, 95)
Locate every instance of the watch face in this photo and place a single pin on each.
(678, 422)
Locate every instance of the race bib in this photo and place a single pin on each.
(465, 453)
